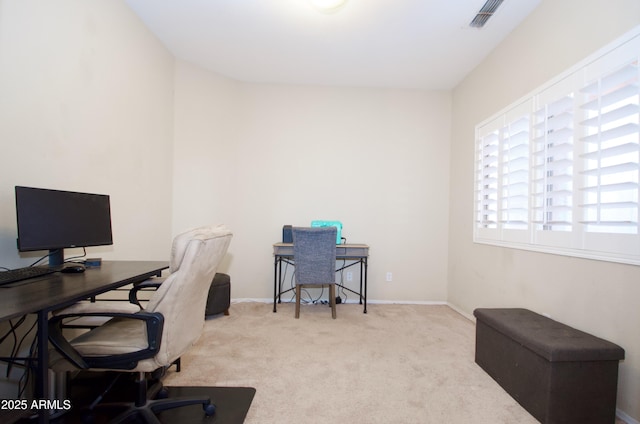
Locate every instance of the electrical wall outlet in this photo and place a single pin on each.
(389, 276)
(349, 276)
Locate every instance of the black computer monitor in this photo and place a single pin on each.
(54, 220)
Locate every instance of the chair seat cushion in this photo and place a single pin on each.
(117, 336)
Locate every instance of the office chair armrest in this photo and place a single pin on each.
(154, 322)
(152, 283)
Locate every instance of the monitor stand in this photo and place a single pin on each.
(56, 258)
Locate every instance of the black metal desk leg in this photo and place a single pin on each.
(275, 282)
(361, 281)
(365, 283)
(42, 368)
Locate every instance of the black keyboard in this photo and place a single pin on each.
(19, 274)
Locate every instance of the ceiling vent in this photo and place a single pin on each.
(485, 13)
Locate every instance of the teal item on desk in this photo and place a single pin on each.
(337, 224)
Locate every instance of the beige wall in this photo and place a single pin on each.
(86, 104)
(598, 297)
(377, 160)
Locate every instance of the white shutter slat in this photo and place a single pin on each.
(612, 187)
(611, 134)
(613, 169)
(625, 111)
(612, 98)
(627, 73)
(620, 150)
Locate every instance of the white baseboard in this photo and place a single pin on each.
(369, 302)
(406, 302)
(251, 300)
(470, 317)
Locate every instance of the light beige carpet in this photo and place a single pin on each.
(395, 364)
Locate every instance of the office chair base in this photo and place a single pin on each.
(148, 411)
(151, 399)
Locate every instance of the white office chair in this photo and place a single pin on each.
(156, 336)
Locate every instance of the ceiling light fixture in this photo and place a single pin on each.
(328, 5)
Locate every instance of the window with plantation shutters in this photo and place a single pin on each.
(559, 171)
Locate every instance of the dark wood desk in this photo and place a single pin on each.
(42, 295)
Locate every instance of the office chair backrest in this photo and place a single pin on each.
(314, 254)
(182, 297)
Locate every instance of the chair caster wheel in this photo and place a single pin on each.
(162, 393)
(209, 409)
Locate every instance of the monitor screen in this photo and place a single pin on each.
(54, 220)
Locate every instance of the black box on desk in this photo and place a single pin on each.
(287, 235)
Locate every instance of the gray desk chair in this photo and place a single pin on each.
(153, 338)
(314, 255)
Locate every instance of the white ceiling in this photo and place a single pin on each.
(375, 43)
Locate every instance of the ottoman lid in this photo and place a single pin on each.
(550, 339)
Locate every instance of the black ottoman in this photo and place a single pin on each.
(559, 374)
(219, 295)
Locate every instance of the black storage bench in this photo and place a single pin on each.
(219, 298)
(557, 373)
